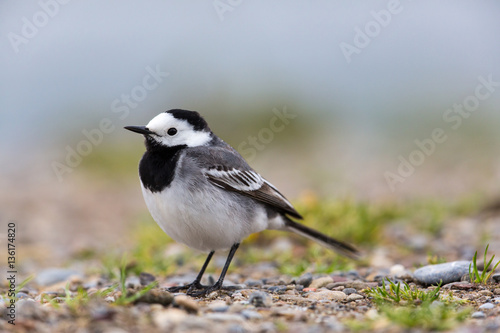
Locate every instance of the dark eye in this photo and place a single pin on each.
(172, 131)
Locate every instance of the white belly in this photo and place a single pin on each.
(205, 220)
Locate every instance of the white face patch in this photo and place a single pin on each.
(185, 135)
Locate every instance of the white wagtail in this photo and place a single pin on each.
(202, 193)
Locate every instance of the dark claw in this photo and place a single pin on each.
(204, 291)
(188, 287)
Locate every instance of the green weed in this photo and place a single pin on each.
(394, 293)
(126, 296)
(436, 316)
(407, 306)
(482, 277)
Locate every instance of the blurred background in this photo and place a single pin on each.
(379, 101)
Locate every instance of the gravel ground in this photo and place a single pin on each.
(70, 293)
(258, 299)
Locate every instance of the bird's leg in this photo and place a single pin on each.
(196, 283)
(218, 284)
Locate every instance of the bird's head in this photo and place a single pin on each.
(175, 128)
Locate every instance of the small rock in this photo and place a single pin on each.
(358, 285)
(21, 295)
(289, 314)
(485, 293)
(146, 278)
(349, 291)
(309, 289)
(109, 299)
(305, 280)
(496, 278)
(260, 299)
(486, 306)
(447, 272)
(224, 317)
(396, 269)
(321, 282)
(329, 295)
(101, 311)
(478, 315)
(372, 314)
(48, 295)
(132, 282)
(496, 291)
(167, 318)
(253, 283)
(459, 286)
(353, 297)
(218, 306)
(277, 289)
(52, 276)
(353, 274)
(156, 296)
(187, 303)
(251, 315)
(29, 309)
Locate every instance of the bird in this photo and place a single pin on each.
(202, 193)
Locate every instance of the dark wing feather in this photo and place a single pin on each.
(250, 184)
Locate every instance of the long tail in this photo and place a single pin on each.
(336, 245)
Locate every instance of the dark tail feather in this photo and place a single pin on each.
(336, 245)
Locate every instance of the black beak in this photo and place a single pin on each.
(139, 129)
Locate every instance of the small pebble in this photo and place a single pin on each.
(28, 308)
(485, 293)
(22, 295)
(52, 276)
(146, 278)
(354, 297)
(349, 291)
(486, 306)
(321, 282)
(496, 278)
(218, 306)
(102, 311)
(253, 283)
(478, 315)
(358, 285)
(447, 272)
(251, 315)
(187, 303)
(277, 289)
(459, 285)
(166, 318)
(132, 282)
(354, 275)
(396, 270)
(327, 295)
(156, 296)
(109, 299)
(305, 280)
(224, 317)
(260, 299)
